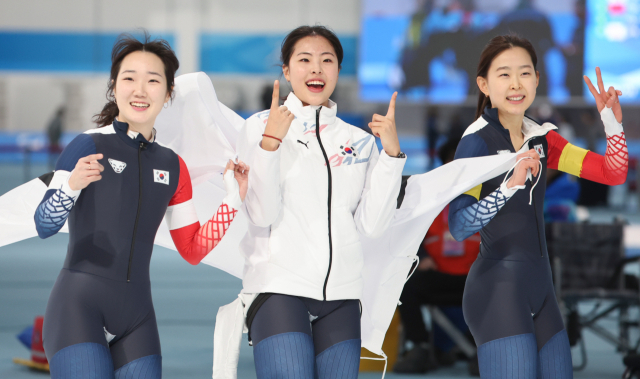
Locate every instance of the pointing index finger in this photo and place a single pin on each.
(275, 98)
(600, 83)
(392, 105)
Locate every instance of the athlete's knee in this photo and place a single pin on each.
(512, 357)
(82, 360)
(554, 359)
(341, 360)
(285, 356)
(149, 367)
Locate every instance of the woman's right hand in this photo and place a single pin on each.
(87, 171)
(278, 123)
(531, 161)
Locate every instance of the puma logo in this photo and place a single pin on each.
(304, 143)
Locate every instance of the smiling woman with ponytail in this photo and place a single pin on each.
(316, 182)
(113, 185)
(509, 301)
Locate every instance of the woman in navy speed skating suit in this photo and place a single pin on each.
(115, 185)
(509, 302)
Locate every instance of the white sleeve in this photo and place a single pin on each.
(264, 197)
(380, 194)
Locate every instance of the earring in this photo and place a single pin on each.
(166, 105)
(115, 101)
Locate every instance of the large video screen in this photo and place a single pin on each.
(612, 42)
(428, 50)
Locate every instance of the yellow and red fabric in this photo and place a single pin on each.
(610, 169)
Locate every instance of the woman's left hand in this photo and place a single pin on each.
(608, 98)
(384, 127)
(241, 174)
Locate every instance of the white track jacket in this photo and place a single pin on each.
(308, 200)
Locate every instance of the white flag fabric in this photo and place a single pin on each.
(204, 132)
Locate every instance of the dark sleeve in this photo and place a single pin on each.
(467, 212)
(59, 199)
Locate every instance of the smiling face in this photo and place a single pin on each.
(141, 90)
(312, 70)
(511, 81)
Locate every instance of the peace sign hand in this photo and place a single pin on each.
(384, 127)
(279, 121)
(608, 98)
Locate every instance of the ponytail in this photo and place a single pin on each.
(107, 115)
(483, 102)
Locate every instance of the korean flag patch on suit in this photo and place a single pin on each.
(540, 150)
(160, 176)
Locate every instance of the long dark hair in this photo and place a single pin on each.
(496, 46)
(300, 32)
(125, 45)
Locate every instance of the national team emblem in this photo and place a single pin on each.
(540, 150)
(118, 166)
(347, 150)
(160, 176)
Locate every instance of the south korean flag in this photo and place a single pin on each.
(540, 150)
(160, 176)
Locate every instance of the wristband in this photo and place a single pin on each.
(266, 135)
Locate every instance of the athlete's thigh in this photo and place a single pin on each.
(280, 314)
(548, 320)
(282, 342)
(341, 324)
(72, 316)
(142, 341)
(495, 304)
(554, 352)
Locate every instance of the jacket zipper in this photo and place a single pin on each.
(535, 210)
(135, 226)
(326, 159)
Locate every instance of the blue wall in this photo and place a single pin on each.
(65, 52)
(91, 52)
(257, 53)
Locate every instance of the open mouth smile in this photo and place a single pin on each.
(315, 85)
(139, 106)
(516, 99)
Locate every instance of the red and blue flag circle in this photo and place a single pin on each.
(348, 150)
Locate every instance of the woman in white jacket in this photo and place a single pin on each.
(312, 191)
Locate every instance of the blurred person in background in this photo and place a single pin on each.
(54, 133)
(438, 280)
(460, 28)
(316, 183)
(100, 321)
(509, 301)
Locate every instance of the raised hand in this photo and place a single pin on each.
(241, 174)
(532, 162)
(278, 123)
(384, 127)
(87, 171)
(608, 98)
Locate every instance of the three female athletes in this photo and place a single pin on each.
(315, 183)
